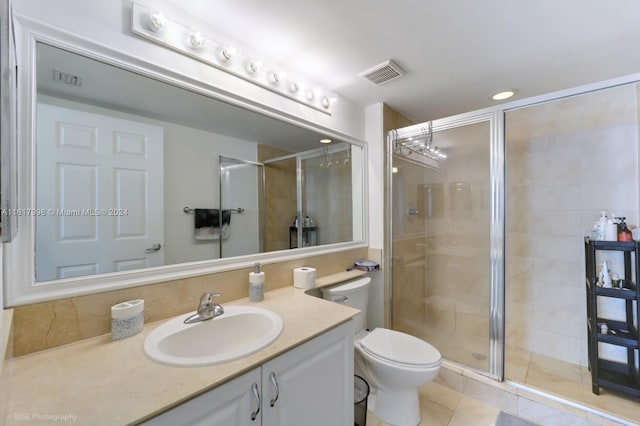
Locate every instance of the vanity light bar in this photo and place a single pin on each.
(156, 27)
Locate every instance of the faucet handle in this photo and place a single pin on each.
(206, 297)
(205, 300)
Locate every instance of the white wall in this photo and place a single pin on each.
(376, 151)
(192, 179)
(107, 23)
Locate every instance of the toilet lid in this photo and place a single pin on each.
(400, 347)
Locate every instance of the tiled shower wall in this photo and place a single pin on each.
(280, 197)
(566, 161)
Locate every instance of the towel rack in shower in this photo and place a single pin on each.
(190, 210)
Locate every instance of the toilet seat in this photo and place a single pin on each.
(400, 348)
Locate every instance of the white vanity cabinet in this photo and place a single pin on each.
(310, 385)
(234, 403)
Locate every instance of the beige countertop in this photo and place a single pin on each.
(98, 381)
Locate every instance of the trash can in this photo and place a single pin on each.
(360, 394)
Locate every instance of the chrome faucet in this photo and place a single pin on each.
(206, 308)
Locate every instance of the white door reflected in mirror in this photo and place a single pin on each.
(101, 178)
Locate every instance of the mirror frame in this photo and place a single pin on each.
(19, 258)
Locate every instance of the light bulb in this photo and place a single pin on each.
(503, 95)
(197, 40)
(157, 22)
(326, 103)
(274, 78)
(254, 67)
(310, 95)
(294, 87)
(228, 53)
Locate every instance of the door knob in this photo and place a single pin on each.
(154, 248)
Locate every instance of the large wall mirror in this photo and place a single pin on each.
(132, 172)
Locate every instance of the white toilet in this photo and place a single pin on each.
(395, 364)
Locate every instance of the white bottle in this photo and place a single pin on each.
(611, 230)
(605, 277)
(256, 285)
(600, 226)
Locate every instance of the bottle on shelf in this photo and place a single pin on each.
(611, 229)
(605, 276)
(624, 234)
(599, 227)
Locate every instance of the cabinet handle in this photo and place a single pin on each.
(256, 394)
(272, 376)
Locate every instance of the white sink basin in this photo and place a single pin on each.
(240, 331)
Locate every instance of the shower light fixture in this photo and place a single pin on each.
(157, 22)
(503, 95)
(325, 140)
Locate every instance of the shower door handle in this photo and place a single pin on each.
(412, 212)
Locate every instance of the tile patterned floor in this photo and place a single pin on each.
(442, 406)
(570, 381)
(456, 400)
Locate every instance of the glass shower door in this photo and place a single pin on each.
(446, 261)
(242, 204)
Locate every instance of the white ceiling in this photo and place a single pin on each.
(457, 53)
(114, 88)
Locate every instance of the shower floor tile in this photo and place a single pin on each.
(569, 381)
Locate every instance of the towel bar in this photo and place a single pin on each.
(190, 210)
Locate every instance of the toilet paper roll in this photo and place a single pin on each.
(304, 277)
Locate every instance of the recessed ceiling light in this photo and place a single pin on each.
(503, 95)
(325, 141)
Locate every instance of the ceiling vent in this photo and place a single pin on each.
(383, 73)
(67, 78)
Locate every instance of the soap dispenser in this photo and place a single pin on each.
(256, 284)
(624, 234)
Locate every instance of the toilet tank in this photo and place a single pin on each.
(353, 293)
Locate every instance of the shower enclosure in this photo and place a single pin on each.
(304, 186)
(495, 231)
(242, 190)
(445, 215)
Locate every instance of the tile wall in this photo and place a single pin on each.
(280, 197)
(44, 325)
(566, 161)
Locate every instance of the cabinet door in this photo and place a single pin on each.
(232, 404)
(311, 385)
